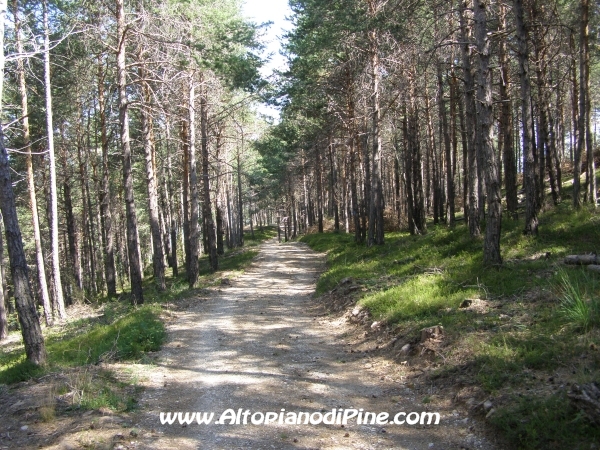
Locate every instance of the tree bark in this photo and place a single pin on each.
(491, 244)
(194, 211)
(41, 271)
(28, 318)
(585, 103)
(531, 220)
(206, 206)
(450, 211)
(105, 212)
(135, 265)
(506, 126)
(158, 259)
(470, 108)
(58, 293)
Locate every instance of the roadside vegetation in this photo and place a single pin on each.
(523, 333)
(110, 330)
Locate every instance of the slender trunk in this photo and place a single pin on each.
(185, 190)
(506, 126)
(470, 109)
(58, 293)
(239, 194)
(206, 206)
(158, 259)
(585, 104)
(135, 265)
(531, 220)
(106, 216)
(41, 271)
(194, 211)
(74, 260)
(318, 175)
(376, 225)
(450, 211)
(491, 244)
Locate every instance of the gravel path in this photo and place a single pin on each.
(262, 344)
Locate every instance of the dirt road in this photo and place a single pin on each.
(262, 344)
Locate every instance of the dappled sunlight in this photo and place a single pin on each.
(258, 343)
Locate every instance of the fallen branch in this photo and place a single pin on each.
(582, 260)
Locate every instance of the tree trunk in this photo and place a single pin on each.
(376, 225)
(450, 212)
(135, 265)
(28, 318)
(470, 108)
(105, 213)
(585, 104)
(206, 206)
(318, 175)
(58, 293)
(506, 126)
(531, 220)
(158, 259)
(194, 210)
(491, 244)
(41, 271)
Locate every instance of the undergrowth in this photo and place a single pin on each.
(535, 317)
(118, 332)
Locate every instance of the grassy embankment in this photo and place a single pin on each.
(117, 331)
(537, 329)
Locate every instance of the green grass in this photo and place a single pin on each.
(85, 342)
(538, 315)
(545, 423)
(122, 331)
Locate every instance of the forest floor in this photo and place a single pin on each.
(259, 342)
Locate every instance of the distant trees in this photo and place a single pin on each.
(424, 117)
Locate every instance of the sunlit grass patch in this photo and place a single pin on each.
(127, 338)
(418, 296)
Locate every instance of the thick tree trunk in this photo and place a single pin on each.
(531, 220)
(58, 293)
(41, 271)
(491, 244)
(28, 318)
(135, 265)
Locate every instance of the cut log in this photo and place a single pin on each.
(582, 260)
(594, 268)
(587, 398)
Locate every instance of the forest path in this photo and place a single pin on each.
(263, 344)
